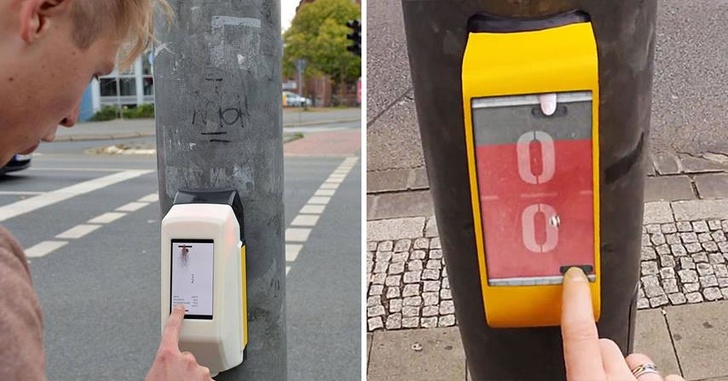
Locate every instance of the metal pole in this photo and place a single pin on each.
(118, 95)
(625, 33)
(219, 124)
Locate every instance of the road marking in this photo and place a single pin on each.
(313, 209)
(310, 213)
(85, 169)
(154, 197)
(329, 186)
(322, 200)
(132, 207)
(21, 207)
(20, 193)
(42, 249)
(292, 252)
(305, 220)
(78, 231)
(106, 218)
(297, 234)
(325, 192)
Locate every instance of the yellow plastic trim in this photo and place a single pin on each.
(561, 59)
(244, 281)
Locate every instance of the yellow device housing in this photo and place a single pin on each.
(560, 59)
(244, 289)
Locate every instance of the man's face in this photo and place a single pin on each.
(43, 74)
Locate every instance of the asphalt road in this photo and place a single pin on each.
(100, 292)
(690, 91)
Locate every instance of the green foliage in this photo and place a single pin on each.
(144, 111)
(106, 113)
(318, 34)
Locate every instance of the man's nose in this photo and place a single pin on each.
(71, 119)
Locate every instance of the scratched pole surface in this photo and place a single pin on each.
(625, 33)
(217, 77)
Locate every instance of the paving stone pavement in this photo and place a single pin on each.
(682, 263)
(408, 285)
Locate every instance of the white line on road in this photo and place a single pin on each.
(313, 209)
(305, 220)
(309, 214)
(154, 197)
(328, 185)
(297, 234)
(29, 205)
(106, 218)
(42, 249)
(292, 252)
(20, 193)
(325, 192)
(78, 231)
(79, 169)
(322, 200)
(132, 207)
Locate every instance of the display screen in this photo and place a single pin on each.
(192, 277)
(536, 185)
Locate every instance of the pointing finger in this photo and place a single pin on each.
(170, 335)
(582, 352)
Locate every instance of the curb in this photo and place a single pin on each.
(132, 135)
(320, 123)
(83, 138)
(112, 150)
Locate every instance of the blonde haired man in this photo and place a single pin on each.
(49, 52)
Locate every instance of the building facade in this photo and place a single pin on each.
(130, 88)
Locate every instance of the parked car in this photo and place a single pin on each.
(17, 163)
(294, 100)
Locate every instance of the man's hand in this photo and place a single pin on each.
(171, 364)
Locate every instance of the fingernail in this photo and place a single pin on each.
(180, 306)
(575, 274)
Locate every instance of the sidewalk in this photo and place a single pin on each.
(136, 128)
(682, 321)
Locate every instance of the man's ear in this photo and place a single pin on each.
(36, 16)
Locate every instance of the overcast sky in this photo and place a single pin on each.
(288, 10)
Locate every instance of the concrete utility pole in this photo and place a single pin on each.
(625, 36)
(219, 125)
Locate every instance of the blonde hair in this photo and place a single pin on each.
(131, 20)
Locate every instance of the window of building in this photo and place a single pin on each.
(148, 73)
(108, 88)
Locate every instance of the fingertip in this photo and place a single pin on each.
(575, 274)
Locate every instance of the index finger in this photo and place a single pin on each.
(170, 335)
(582, 354)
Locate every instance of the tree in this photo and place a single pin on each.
(318, 34)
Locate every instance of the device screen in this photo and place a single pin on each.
(192, 277)
(536, 187)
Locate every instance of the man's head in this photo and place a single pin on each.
(49, 52)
